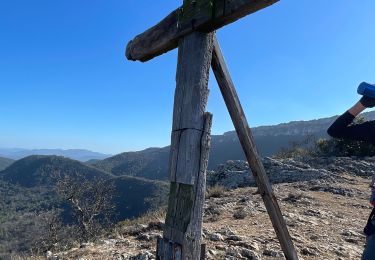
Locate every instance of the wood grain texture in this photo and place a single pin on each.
(193, 236)
(190, 141)
(190, 100)
(206, 16)
(185, 156)
(156, 40)
(203, 252)
(183, 224)
(181, 200)
(247, 141)
(168, 250)
(159, 248)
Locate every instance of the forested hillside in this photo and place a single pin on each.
(5, 162)
(38, 191)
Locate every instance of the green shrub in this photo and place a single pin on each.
(340, 147)
(311, 147)
(304, 148)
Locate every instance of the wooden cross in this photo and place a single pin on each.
(191, 29)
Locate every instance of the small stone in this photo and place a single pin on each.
(244, 199)
(234, 238)
(351, 240)
(50, 256)
(234, 251)
(212, 252)
(269, 252)
(84, 245)
(254, 246)
(240, 214)
(341, 251)
(220, 247)
(249, 254)
(349, 233)
(145, 237)
(226, 232)
(307, 251)
(314, 213)
(143, 256)
(216, 237)
(117, 256)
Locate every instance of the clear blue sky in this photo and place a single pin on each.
(64, 81)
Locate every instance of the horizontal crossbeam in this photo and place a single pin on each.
(207, 16)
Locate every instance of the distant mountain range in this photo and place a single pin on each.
(152, 163)
(75, 154)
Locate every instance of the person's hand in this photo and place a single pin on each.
(367, 101)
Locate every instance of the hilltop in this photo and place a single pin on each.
(324, 202)
(151, 163)
(40, 170)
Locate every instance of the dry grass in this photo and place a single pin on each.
(216, 191)
(153, 216)
(240, 214)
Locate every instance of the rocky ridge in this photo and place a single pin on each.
(324, 202)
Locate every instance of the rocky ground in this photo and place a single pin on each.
(324, 202)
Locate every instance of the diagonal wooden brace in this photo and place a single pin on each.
(248, 145)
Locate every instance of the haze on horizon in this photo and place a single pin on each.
(65, 83)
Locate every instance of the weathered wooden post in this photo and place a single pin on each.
(190, 28)
(189, 150)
